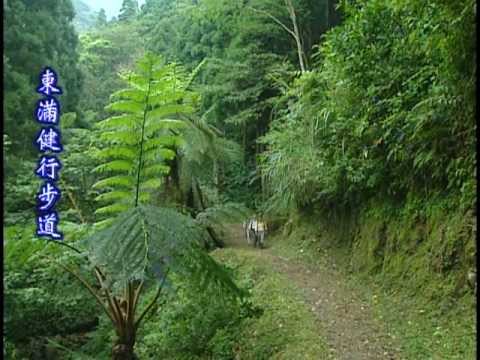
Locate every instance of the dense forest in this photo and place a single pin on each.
(348, 126)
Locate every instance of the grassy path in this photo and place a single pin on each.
(344, 322)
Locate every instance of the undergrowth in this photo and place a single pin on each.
(416, 287)
(274, 323)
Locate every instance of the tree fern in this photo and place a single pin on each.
(153, 239)
(137, 137)
(143, 242)
(203, 151)
(217, 216)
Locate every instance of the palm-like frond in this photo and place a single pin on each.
(140, 134)
(203, 150)
(217, 216)
(143, 241)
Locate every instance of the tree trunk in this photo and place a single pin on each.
(218, 242)
(123, 352)
(302, 58)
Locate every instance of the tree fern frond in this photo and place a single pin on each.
(228, 150)
(99, 225)
(163, 95)
(224, 213)
(127, 106)
(113, 195)
(156, 155)
(200, 124)
(157, 169)
(132, 94)
(194, 73)
(144, 133)
(121, 121)
(115, 166)
(113, 209)
(122, 181)
(162, 72)
(137, 81)
(123, 152)
(151, 184)
(168, 110)
(165, 140)
(144, 239)
(120, 137)
(153, 126)
(144, 197)
(167, 154)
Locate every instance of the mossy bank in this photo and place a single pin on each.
(411, 261)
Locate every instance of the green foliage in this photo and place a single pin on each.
(139, 140)
(20, 188)
(236, 95)
(104, 52)
(101, 20)
(35, 290)
(196, 323)
(144, 241)
(128, 11)
(84, 16)
(200, 163)
(384, 116)
(284, 327)
(426, 330)
(402, 265)
(27, 52)
(382, 113)
(220, 215)
(80, 143)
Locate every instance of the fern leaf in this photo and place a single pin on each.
(153, 126)
(151, 184)
(157, 169)
(113, 195)
(115, 166)
(112, 209)
(122, 121)
(124, 152)
(156, 155)
(135, 95)
(162, 141)
(120, 137)
(194, 73)
(123, 181)
(103, 224)
(168, 110)
(127, 106)
(145, 238)
(137, 81)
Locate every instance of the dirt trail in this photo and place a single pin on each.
(347, 322)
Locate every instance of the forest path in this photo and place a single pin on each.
(346, 320)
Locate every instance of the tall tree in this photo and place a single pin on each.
(294, 31)
(128, 11)
(101, 18)
(37, 34)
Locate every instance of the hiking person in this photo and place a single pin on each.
(246, 230)
(252, 231)
(261, 229)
